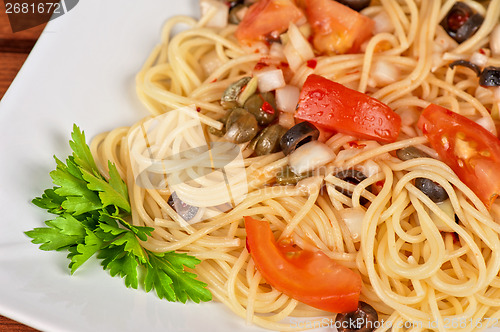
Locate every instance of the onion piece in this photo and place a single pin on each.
(353, 219)
(210, 62)
(382, 23)
(478, 59)
(310, 156)
(297, 49)
(276, 51)
(286, 120)
(218, 11)
(269, 80)
(384, 73)
(287, 98)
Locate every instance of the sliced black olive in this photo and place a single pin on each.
(461, 22)
(432, 189)
(468, 64)
(230, 96)
(268, 140)
(234, 3)
(357, 5)
(233, 12)
(241, 126)
(490, 76)
(364, 319)
(298, 135)
(286, 176)
(355, 177)
(411, 152)
(263, 107)
(186, 211)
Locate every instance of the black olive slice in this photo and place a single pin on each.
(432, 189)
(298, 135)
(461, 22)
(364, 319)
(357, 5)
(490, 76)
(186, 211)
(468, 64)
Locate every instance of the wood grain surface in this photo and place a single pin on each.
(14, 49)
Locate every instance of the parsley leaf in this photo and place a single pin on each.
(93, 218)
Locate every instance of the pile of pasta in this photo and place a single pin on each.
(411, 270)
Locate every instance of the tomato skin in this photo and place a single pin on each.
(337, 28)
(335, 107)
(267, 17)
(309, 277)
(471, 151)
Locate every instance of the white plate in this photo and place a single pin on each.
(81, 71)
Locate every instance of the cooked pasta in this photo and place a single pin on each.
(418, 263)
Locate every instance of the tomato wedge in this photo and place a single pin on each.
(309, 277)
(471, 151)
(337, 29)
(267, 19)
(335, 107)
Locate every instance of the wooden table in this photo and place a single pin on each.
(14, 49)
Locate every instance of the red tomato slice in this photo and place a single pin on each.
(337, 28)
(333, 106)
(470, 150)
(309, 277)
(267, 18)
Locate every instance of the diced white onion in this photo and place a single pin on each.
(276, 51)
(287, 98)
(488, 124)
(210, 62)
(370, 168)
(286, 120)
(478, 59)
(384, 73)
(292, 56)
(443, 42)
(218, 12)
(269, 80)
(300, 43)
(311, 184)
(353, 219)
(310, 156)
(382, 23)
(495, 41)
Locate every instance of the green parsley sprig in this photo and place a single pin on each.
(92, 214)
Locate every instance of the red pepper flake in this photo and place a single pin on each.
(214, 80)
(266, 107)
(284, 64)
(356, 145)
(260, 65)
(482, 51)
(198, 109)
(312, 63)
(380, 183)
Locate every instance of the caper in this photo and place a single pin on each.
(233, 13)
(432, 189)
(355, 177)
(222, 131)
(241, 126)
(286, 176)
(186, 211)
(268, 140)
(362, 320)
(230, 96)
(411, 152)
(357, 5)
(298, 135)
(263, 107)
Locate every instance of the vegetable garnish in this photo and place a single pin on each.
(331, 105)
(309, 277)
(92, 213)
(469, 149)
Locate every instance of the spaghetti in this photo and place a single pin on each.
(412, 271)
